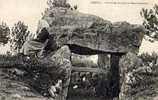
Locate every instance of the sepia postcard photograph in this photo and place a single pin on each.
(78, 49)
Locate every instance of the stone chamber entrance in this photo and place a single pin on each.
(99, 81)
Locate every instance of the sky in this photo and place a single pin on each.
(30, 11)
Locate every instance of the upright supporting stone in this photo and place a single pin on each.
(104, 63)
(114, 76)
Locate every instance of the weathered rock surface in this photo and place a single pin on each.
(11, 89)
(92, 32)
(138, 81)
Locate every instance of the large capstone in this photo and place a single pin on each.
(89, 33)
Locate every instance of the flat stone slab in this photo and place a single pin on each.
(92, 32)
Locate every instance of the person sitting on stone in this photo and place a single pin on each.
(57, 60)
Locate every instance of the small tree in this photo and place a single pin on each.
(19, 35)
(150, 17)
(4, 33)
